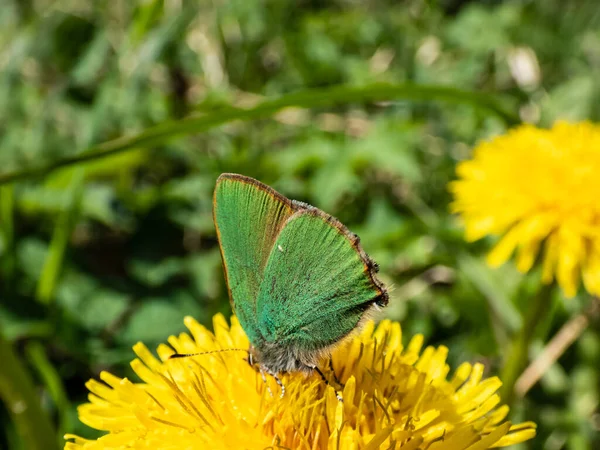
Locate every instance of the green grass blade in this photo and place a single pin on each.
(313, 98)
(18, 393)
(51, 378)
(63, 228)
(7, 254)
(502, 309)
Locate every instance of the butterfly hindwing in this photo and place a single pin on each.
(248, 217)
(317, 283)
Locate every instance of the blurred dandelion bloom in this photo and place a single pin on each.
(394, 397)
(537, 188)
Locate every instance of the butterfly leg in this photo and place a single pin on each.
(264, 370)
(324, 378)
(334, 375)
(264, 378)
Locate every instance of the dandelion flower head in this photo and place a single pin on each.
(393, 398)
(539, 190)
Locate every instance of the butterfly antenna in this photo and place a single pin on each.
(186, 355)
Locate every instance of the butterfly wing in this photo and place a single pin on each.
(317, 284)
(248, 216)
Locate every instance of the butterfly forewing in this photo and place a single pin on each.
(317, 283)
(248, 217)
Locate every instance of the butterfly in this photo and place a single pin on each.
(298, 279)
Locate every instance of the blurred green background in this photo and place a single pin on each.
(96, 256)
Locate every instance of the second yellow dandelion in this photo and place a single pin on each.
(539, 190)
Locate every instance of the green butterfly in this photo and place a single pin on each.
(298, 279)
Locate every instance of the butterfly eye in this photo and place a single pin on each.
(382, 301)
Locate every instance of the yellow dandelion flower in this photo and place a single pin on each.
(393, 398)
(537, 187)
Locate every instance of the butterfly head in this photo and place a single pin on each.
(277, 358)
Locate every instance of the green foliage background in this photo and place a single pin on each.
(99, 253)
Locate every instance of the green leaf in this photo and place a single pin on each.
(155, 273)
(152, 321)
(493, 289)
(93, 306)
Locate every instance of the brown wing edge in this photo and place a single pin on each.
(294, 206)
(370, 267)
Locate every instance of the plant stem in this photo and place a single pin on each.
(18, 393)
(518, 353)
(556, 347)
(7, 259)
(500, 106)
